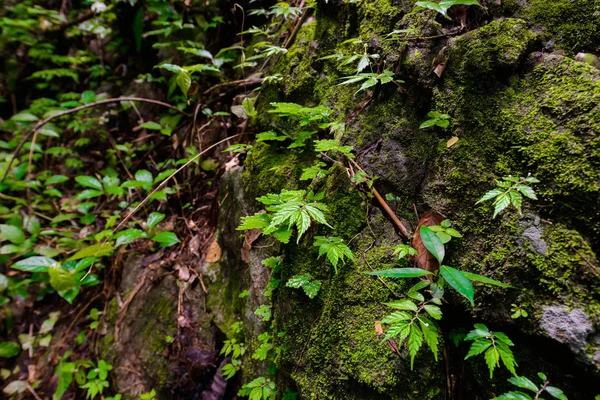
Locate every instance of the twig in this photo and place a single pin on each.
(123, 311)
(32, 391)
(292, 36)
(43, 122)
(242, 82)
(403, 231)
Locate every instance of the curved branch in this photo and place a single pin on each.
(43, 122)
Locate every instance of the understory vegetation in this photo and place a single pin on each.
(299, 200)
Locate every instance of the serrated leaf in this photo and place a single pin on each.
(415, 341)
(398, 330)
(335, 249)
(490, 195)
(514, 396)
(430, 333)
(396, 317)
(501, 203)
(256, 221)
(459, 282)
(478, 347)
(527, 191)
(34, 264)
(507, 357)
(312, 288)
(283, 235)
(434, 311)
(492, 359)
(400, 273)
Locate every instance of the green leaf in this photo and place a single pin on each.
(24, 117)
(513, 396)
(491, 359)
(283, 234)
(524, 383)
(56, 179)
(127, 236)
(60, 279)
(396, 317)
(9, 349)
(95, 250)
(256, 221)
(484, 279)
(432, 243)
(478, 347)
(145, 177)
(34, 264)
(151, 125)
(527, 191)
(335, 249)
(430, 333)
(501, 203)
(434, 311)
(415, 340)
(404, 304)
(507, 357)
(312, 288)
(184, 81)
(12, 234)
(166, 239)
(154, 218)
(556, 393)
(400, 273)
(459, 282)
(88, 194)
(89, 181)
(490, 195)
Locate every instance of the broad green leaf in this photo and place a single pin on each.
(484, 279)
(145, 177)
(490, 195)
(172, 68)
(127, 236)
(400, 273)
(56, 179)
(396, 317)
(501, 203)
(524, 383)
(60, 279)
(166, 239)
(402, 305)
(89, 181)
(514, 396)
(12, 234)
(556, 393)
(34, 264)
(154, 218)
(459, 282)
(399, 330)
(297, 281)
(88, 194)
(95, 250)
(9, 349)
(432, 243)
(256, 221)
(69, 294)
(184, 81)
(24, 117)
(151, 125)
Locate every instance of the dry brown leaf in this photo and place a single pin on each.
(425, 259)
(249, 238)
(213, 254)
(378, 328)
(452, 141)
(194, 245)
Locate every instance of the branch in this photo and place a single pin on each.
(73, 110)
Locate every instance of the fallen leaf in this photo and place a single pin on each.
(183, 272)
(425, 259)
(194, 245)
(213, 254)
(452, 141)
(249, 238)
(378, 328)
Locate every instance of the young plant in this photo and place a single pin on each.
(334, 248)
(260, 388)
(436, 118)
(527, 384)
(496, 346)
(511, 191)
(443, 6)
(518, 311)
(311, 287)
(369, 79)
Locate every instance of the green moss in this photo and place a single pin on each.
(159, 322)
(574, 25)
(495, 47)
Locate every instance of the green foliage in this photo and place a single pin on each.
(518, 311)
(9, 349)
(311, 287)
(260, 388)
(511, 191)
(369, 79)
(96, 379)
(148, 396)
(495, 346)
(436, 118)
(334, 248)
(444, 5)
(527, 384)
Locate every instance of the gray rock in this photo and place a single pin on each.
(534, 234)
(569, 327)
